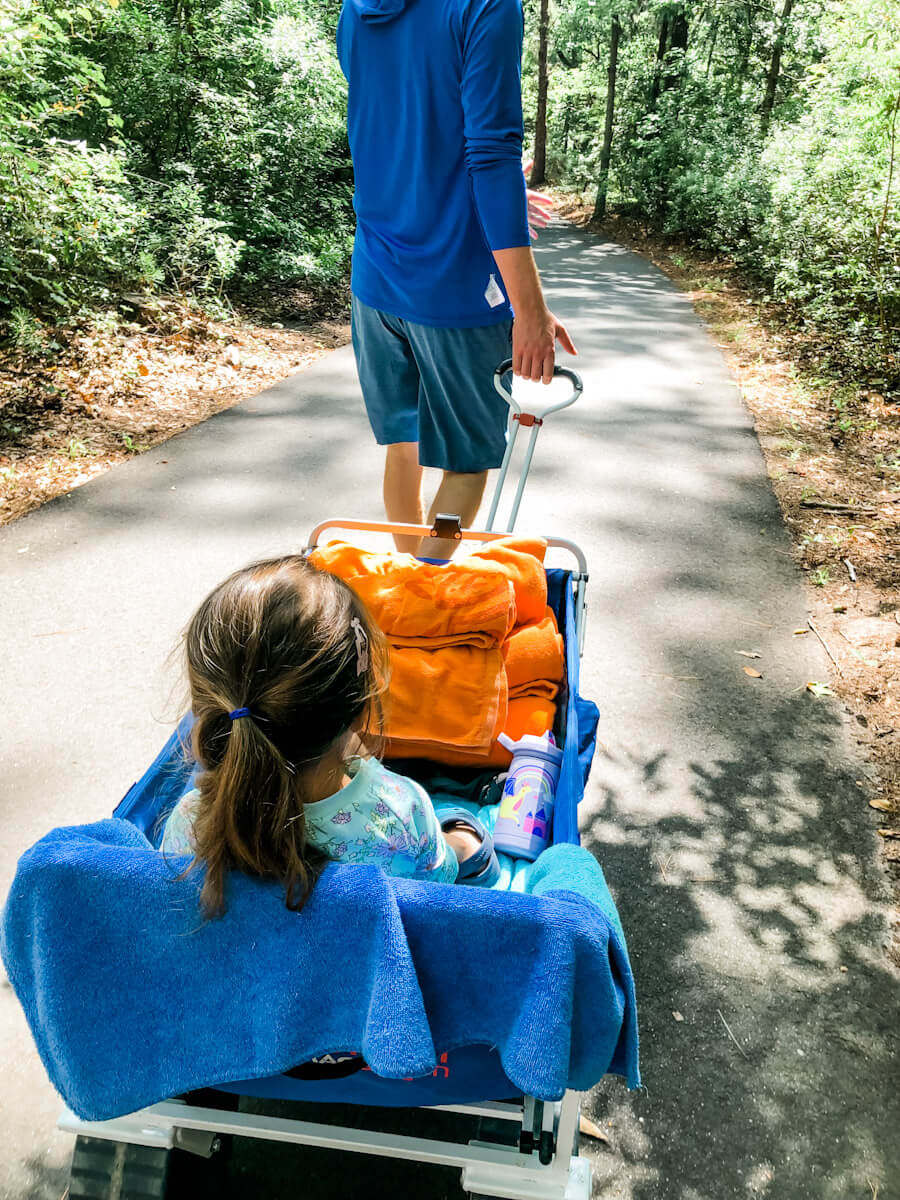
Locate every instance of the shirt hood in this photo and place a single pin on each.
(380, 10)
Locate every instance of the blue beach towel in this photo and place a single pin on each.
(132, 997)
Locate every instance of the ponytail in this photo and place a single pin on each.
(274, 665)
(251, 818)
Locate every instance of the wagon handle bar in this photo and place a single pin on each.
(580, 578)
(424, 531)
(558, 373)
(534, 420)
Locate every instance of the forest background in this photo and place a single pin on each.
(197, 147)
(176, 225)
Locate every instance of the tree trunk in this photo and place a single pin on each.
(745, 42)
(661, 48)
(605, 153)
(765, 113)
(712, 45)
(539, 170)
(674, 71)
(679, 30)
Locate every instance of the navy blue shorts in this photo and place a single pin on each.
(434, 386)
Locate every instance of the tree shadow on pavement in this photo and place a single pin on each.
(40, 1181)
(755, 920)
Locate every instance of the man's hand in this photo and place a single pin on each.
(539, 210)
(534, 336)
(539, 206)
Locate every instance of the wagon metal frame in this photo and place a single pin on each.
(544, 1163)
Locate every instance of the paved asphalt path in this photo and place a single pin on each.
(726, 811)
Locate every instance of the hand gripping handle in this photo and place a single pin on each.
(558, 372)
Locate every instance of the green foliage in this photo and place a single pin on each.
(807, 199)
(194, 251)
(65, 218)
(28, 335)
(830, 238)
(254, 102)
(199, 146)
(189, 144)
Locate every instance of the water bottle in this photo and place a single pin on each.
(526, 810)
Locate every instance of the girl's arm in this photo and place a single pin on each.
(437, 859)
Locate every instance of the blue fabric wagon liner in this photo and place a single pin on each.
(450, 994)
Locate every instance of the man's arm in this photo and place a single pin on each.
(492, 110)
(535, 329)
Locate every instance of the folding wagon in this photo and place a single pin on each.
(500, 1006)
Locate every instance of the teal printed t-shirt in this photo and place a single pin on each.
(379, 818)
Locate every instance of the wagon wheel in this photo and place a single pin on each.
(106, 1170)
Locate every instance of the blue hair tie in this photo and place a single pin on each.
(240, 712)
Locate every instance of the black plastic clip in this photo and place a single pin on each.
(446, 525)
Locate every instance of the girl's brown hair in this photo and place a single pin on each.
(284, 640)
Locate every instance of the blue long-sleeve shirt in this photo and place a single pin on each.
(435, 126)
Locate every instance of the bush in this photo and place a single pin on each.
(811, 204)
(70, 229)
(831, 238)
(194, 252)
(196, 145)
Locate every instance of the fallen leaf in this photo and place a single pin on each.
(819, 689)
(587, 1126)
(881, 805)
(889, 833)
(749, 654)
(677, 1016)
(753, 674)
(798, 632)
(142, 368)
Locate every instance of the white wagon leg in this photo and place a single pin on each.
(565, 1177)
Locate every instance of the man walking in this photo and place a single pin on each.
(442, 257)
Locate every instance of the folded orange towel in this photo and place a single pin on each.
(481, 641)
(534, 657)
(531, 714)
(455, 696)
(448, 692)
(538, 688)
(415, 600)
(520, 559)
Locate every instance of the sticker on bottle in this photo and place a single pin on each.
(493, 293)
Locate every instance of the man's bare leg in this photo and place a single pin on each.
(403, 490)
(460, 494)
